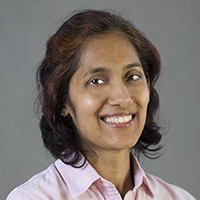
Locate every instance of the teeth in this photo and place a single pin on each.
(118, 120)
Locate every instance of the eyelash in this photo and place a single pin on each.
(100, 81)
(96, 81)
(133, 77)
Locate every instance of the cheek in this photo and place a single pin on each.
(146, 94)
(142, 96)
(85, 104)
(88, 101)
(147, 97)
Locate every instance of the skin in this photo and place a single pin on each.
(110, 94)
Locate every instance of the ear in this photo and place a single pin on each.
(65, 111)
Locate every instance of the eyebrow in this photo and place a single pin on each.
(103, 69)
(135, 64)
(97, 70)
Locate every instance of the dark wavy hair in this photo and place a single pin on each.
(63, 52)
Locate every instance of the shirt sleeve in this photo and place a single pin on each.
(164, 190)
(18, 195)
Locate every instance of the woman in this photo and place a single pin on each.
(97, 96)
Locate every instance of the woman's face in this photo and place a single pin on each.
(109, 94)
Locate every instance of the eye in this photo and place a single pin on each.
(96, 81)
(133, 77)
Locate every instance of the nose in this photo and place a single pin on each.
(119, 95)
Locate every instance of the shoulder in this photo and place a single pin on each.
(39, 187)
(163, 189)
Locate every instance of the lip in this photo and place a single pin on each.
(117, 116)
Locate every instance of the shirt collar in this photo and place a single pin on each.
(78, 180)
(87, 175)
(140, 177)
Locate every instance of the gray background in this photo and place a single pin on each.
(172, 25)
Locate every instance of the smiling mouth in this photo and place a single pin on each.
(118, 119)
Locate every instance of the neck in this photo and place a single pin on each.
(115, 167)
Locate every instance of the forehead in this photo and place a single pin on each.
(112, 49)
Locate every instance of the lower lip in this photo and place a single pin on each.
(124, 125)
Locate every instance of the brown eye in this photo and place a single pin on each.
(96, 81)
(133, 77)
